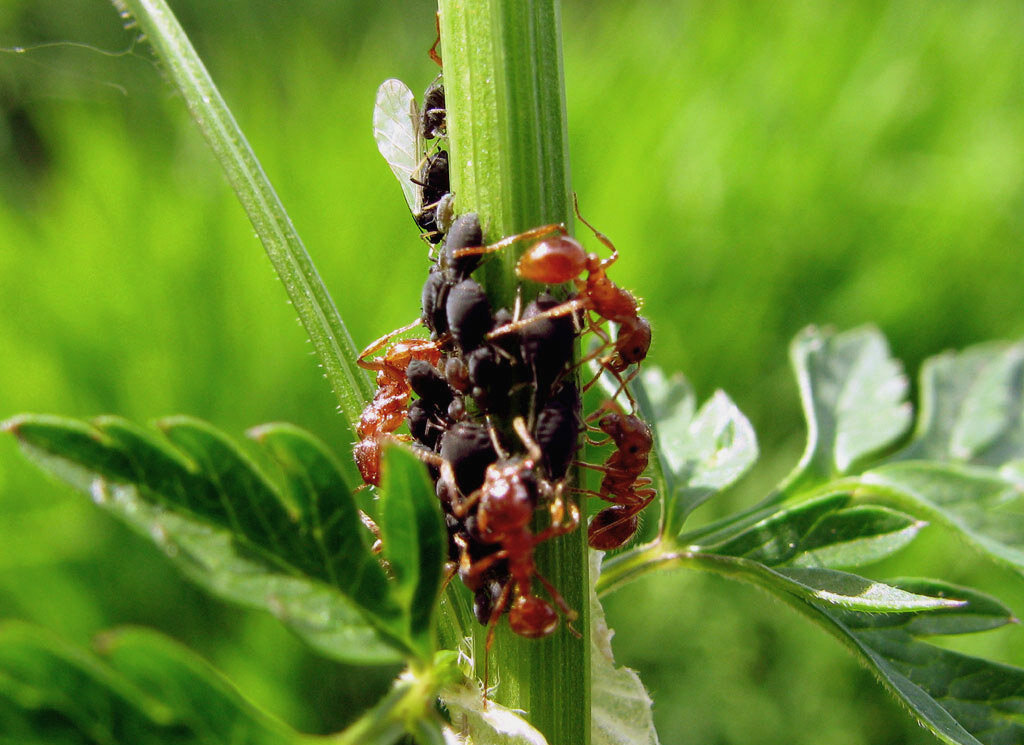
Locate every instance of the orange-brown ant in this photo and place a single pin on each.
(387, 411)
(557, 258)
(623, 484)
(504, 506)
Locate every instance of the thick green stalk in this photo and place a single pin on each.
(288, 255)
(509, 159)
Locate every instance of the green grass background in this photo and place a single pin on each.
(761, 166)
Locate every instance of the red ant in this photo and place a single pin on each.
(387, 411)
(505, 505)
(561, 259)
(622, 485)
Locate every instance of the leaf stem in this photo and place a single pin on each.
(288, 255)
(509, 159)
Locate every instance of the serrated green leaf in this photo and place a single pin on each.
(226, 525)
(824, 532)
(328, 515)
(829, 586)
(972, 408)
(620, 707)
(700, 451)
(962, 699)
(415, 542)
(73, 695)
(855, 536)
(861, 594)
(977, 502)
(202, 700)
(852, 394)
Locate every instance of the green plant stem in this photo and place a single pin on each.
(307, 292)
(509, 155)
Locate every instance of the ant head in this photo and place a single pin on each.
(634, 340)
(612, 425)
(553, 261)
(532, 617)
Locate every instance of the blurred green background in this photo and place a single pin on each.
(761, 166)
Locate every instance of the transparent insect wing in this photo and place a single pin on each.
(396, 130)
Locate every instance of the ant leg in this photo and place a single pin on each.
(600, 333)
(591, 493)
(529, 235)
(492, 623)
(533, 450)
(608, 406)
(495, 441)
(569, 306)
(597, 234)
(623, 386)
(382, 342)
(367, 521)
(558, 527)
(470, 569)
(433, 50)
(569, 613)
(584, 464)
(450, 570)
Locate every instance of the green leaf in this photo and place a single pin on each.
(486, 724)
(977, 502)
(328, 516)
(857, 593)
(701, 452)
(852, 393)
(148, 690)
(828, 531)
(201, 699)
(972, 410)
(827, 586)
(961, 699)
(415, 542)
(208, 507)
(855, 536)
(620, 707)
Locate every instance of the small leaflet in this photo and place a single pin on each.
(620, 706)
(396, 130)
(475, 724)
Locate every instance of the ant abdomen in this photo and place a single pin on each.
(532, 617)
(553, 261)
(612, 528)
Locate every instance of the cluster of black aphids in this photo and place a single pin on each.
(497, 413)
(476, 382)
(432, 176)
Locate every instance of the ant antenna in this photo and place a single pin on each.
(597, 233)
